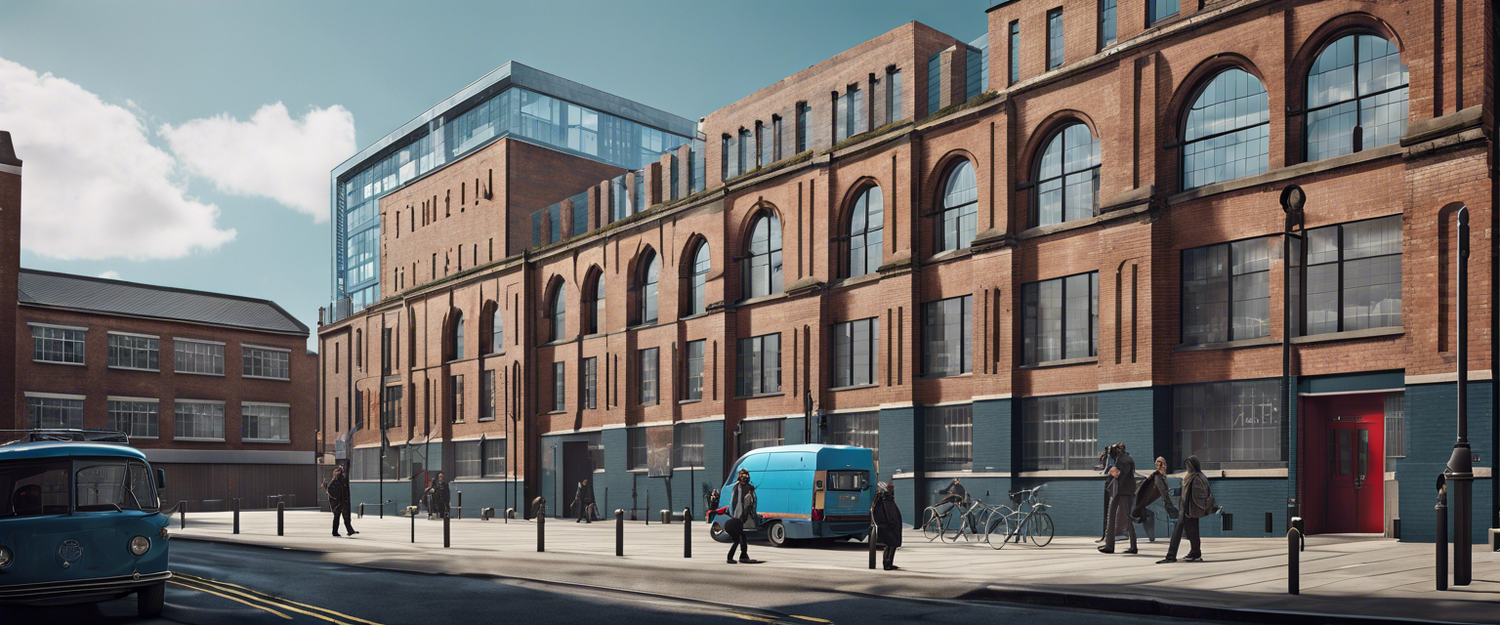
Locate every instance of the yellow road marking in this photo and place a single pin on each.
(204, 590)
(278, 601)
(812, 619)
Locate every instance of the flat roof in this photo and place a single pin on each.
(133, 299)
(514, 74)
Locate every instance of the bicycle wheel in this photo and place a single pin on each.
(994, 527)
(1001, 528)
(1041, 529)
(932, 523)
(952, 525)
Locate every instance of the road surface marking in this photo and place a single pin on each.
(285, 604)
(811, 619)
(203, 590)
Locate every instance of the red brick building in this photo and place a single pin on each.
(988, 260)
(218, 390)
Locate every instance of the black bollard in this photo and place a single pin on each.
(445, 531)
(413, 527)
(1442, 536)
(541, 528)
(460, 504)
(182, 514)
(280, 518)
(1293, 562)
(510, 513)
(648, 508)
(687, 532)
(619, 532)
(236, 515)
(874, 536)
(666, 517)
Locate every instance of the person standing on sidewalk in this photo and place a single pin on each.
(1151, 488)
(1123, 501)
(440, 496)
(742, 516)
(585, 501)
(886, 518)
(1197, 502)
(338, 499)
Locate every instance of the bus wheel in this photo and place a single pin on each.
(151, 599)
(717, 532)
(776, 534)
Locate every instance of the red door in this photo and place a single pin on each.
(1355, 477)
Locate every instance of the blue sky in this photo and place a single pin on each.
(189, 143)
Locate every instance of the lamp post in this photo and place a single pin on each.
(1460, 469)
(1292, 201)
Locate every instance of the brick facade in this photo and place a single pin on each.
(1133, 97)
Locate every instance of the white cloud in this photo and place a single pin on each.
(271, 155)
(93, 186)
(110, 275)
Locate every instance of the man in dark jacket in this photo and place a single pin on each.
(584, 500)
(887, 520)
(1123, 501)
(338, 499)
(440, 496)
(1150, 489)
(1197, 502)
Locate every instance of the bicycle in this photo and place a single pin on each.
(1028, 522)
(941, 520)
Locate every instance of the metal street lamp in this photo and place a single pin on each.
(1292, 200)
(1460, 469)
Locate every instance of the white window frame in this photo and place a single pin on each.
(134, 335)
(202, 402)
(136, 400)
(83, 353)
(244, 351)
(175, 369)
(62, 396)
(244, 415)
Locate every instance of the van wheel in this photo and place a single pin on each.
(717, 532)
(151, 599)
(776, 535)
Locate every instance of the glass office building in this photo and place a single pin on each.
(513, 101)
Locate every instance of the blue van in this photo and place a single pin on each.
(805, 492)
(80, 521)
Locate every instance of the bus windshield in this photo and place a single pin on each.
(115, 485)
(34, 488)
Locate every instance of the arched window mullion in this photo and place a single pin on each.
(1226, 130)
(865, 236)
(762, 264)
(958, 212)
(1348, 119)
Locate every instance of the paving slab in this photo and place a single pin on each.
(1344, 578)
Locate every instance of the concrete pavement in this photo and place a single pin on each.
(1343, 577)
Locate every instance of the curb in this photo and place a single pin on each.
(1025, 596)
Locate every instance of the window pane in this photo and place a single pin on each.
(857, 429)
(1229, 424)
(1227, 130)
(950, 438)
(1059, 432)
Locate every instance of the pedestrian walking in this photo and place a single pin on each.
(743, 518)
(886, 518)
(1197, 502)
(1152, 488)
(583, 502)
(338, 499)
(1123, 501)
(440, 496)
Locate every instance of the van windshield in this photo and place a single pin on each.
(848, 480)
(115, 485)
(34, 488)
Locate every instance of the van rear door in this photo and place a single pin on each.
(848, 492)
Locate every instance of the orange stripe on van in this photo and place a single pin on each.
(785, 515)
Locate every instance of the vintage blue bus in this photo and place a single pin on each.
(805, 492)
(80, 521)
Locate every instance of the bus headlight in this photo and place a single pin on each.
(5, 557)
(139, 546)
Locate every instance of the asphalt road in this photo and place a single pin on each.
(218, 584)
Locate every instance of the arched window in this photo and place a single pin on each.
(595, 321)
(697, 291)
(557, 313)
(866, 225)
(650, 275)
(456, 346)
(497, 331)
(1356, 97)
(1228, 130)
(1067, 177)
(763, 264)
(959, 206)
